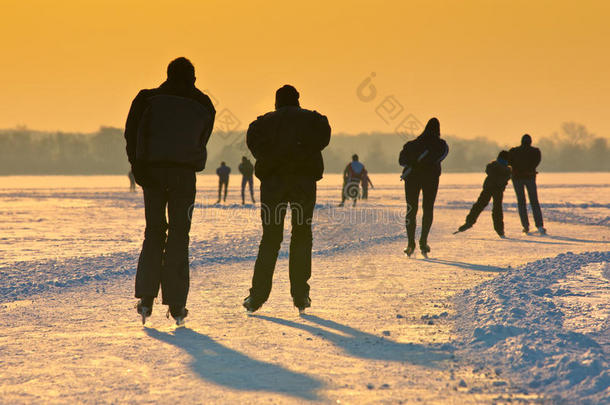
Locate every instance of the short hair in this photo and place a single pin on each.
(526, 140)
(181, 69)
(222, 163)
(504, 155)
(354, 157)
(286, 95)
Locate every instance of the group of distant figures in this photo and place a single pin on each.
(167, 131)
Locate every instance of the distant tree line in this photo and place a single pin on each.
(24, 151)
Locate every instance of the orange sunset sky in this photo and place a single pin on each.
(485, 68)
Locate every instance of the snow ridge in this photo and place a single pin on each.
(512, 325)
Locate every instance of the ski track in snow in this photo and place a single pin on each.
(514, 324)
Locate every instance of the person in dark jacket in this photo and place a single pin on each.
(223, 173)
(351, 181)
(421, 161)
(498, 174)
(247, 170)
(287, 145)
(167, 131)
(524, 160)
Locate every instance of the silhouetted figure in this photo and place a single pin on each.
(498, 174)
(366, 181)
(524, 160)
(167, 131)
(287, 145)
(132, 181)
(223, 180)
(351, 181)
(421, 159)
(247, 170)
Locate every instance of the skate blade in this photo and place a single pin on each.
(425, 255)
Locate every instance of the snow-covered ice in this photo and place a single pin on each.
(483, 320)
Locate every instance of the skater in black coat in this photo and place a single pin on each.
(498, 174)
(421, 161)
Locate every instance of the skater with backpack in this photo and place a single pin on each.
(287, 145)
(352, 176)
(498, 174)
(164, 164)
(421, 161)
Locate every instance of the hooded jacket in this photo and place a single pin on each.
(169, 126)
(424, 154)
(498, 174)
(289, 142)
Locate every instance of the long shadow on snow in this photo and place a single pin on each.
(469, 266)
(567, 239)
(368, 346)
(516, 240)
(224, 366)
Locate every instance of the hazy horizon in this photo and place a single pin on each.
(494, 69)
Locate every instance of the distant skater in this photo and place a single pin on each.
(223, 181)
(366, 181)
(164, 164)
(351, 181)
(132, 181)
(247, 170)
(421, 161)
(524, 160)
(287, 145)
(498, 174)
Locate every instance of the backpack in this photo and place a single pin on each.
(171, 131)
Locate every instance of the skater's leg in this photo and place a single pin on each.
(478, 207)
(226, 188)
(532, 193)
(519, 186)
(302, 203)
(175, 274)
(148, 275)
(497, 212)
(244, 179)
(412, 196)
(251, 185)
(220, 182)
(273, 211)
(429, 191)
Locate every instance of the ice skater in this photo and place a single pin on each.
(366, 181)
(421, 161)
(351, 181)
(132, 181)
(287, 145)
(223, 173)
(164, 164)
(498, 174)
(246, 169)
(524, 160)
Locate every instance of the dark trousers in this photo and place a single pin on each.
(277, 193)
(351, 190)
(496, 212)
(365, 192)
(428, 185)
(530, 184)
(164, 260)
(222, 183)
(249, 181)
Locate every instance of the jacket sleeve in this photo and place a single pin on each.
(131, 126)
(253, 139)
(538, 157)
(323, 131)
(443, 152)
(207, 132)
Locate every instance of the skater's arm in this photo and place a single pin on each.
(131, 126)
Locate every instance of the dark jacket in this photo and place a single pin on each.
(524, 160)
(498, 175)
(423, 155)
(156, 141)
(246, 168)
(289, 142)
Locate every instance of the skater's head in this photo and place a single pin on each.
(526, 140)
(222, 163)
(433, 128)
(503, 157)
(354, 157)
(181, 71)
(244, 159)
(285, 96)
